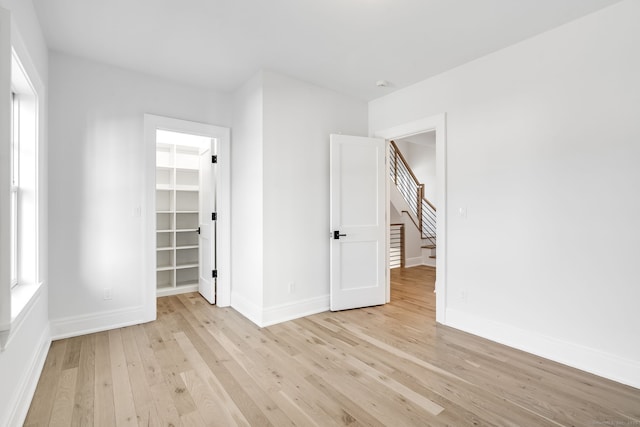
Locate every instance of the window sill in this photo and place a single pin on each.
(23, 297)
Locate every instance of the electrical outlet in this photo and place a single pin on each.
(292, 287)
(107, 294)
(463, 295)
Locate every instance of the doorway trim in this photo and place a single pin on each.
(223, 206)
(435, 123)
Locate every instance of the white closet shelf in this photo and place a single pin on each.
(177, 204)
(183, 266)
(188, 283)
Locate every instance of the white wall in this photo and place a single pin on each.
(298, 118)
(542, 150)
(27, 24)
(22, 359)
(421, 156)
(247, 200)
(413, 242)
(280, 194)
(96, 181)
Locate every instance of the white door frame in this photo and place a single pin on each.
(223, 203)
(435, 123)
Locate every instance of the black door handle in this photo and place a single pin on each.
(336, 235)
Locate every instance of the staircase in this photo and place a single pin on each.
(421, 211)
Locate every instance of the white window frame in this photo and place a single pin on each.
(21, 283)
(24, 177)
(15, 186)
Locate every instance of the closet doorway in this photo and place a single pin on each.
(188, 208)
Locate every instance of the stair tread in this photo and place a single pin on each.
(429, 246)
(432, 256)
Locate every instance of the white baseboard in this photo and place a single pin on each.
(27, 388)
(413, 262)
(588, 359)
(294, 310)
(165, 292)
(279, 313)
(429, 262)
(247, 308)
(74, 326)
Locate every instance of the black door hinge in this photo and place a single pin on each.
(198, 230)
(214, 216)
(214, 159)
(214, 273)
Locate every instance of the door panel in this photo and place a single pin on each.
(357, 193)
(207, 238)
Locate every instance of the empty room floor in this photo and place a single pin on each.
(389, 365)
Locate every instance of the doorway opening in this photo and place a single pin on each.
(434, 125)
(412, 199)
(185, 192)
(414, 214)
(186, 209)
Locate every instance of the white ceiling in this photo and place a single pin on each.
(344, 45)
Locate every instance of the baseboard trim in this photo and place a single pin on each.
(294, 310)
(178, 290)
(247, 308)
(430, 262)
(413, 262)
(279, 313)
(27, 387)
(74, 326)
(587, 359)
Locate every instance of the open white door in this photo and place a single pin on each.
(358, 237)
(207, 237)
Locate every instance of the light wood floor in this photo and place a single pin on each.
(389, 365)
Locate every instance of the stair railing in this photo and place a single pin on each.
(413, 193)
(396, 246)
(428, 221)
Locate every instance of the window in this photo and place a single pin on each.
(23, 201)
(21, 110)
(15, 185)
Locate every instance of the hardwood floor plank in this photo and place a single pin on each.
(39, 414)
(142, 397)
(104, 409)
(387, 365)
(152, 371)
(164, 410)
(125, 411)
(217, 407)
(217, 360)
(72, 353)
(241, 369)
(64, 398)
(85, 390)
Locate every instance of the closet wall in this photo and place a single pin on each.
(96, 159)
